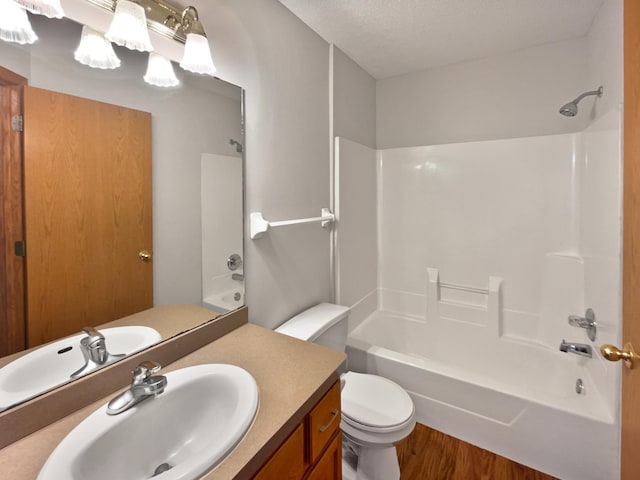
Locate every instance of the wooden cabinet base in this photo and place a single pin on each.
(288, 463)
(314, 450)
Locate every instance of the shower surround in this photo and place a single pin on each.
(462, 279)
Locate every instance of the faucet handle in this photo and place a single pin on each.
(145, 370)
(93, 334)
(588, 322)
(577, 320)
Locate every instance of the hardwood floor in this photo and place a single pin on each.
(431, 455)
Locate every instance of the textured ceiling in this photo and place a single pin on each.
(393, 37)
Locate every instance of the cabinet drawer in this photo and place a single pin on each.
(288, 462)
(324, 421)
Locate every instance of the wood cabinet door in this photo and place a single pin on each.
(288, 462)
(87, 193)
(330, 465)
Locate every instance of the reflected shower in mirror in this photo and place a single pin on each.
(190, 189)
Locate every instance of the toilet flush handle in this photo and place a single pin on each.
(334, 415)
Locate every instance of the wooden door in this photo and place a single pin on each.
(631, 240)
(12, 314)
(87, 192)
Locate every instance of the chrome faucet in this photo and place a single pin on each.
(577, 348)
(94, 350)
(144, 385)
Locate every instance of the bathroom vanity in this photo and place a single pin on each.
(295, 433)
(314, 449)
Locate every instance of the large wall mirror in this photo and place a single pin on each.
(191, 250)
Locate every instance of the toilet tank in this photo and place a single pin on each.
(325, 324)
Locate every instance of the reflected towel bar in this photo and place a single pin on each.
(464, 288)
(259, 226)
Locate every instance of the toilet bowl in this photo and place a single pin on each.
(376, 412)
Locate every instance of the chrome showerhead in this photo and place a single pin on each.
(571, 109)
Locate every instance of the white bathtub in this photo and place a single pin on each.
(513, 398)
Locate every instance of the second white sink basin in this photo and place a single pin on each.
(51, 365)
(181, 434)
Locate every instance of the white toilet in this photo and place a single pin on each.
(376, 412)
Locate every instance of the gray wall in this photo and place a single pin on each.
(354, 101)
(283, 65)
(605, 56)
(504, 96)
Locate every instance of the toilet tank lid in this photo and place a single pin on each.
(311, 323)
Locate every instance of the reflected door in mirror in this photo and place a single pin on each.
(87, 182)
(12, 315)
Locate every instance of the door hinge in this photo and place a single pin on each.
(20, 248)
(17, 123)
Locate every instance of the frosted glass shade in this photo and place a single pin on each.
(129, 27)
(160, 72)
(96, 51)
(197, 55)
(14, 24)
(48, 8)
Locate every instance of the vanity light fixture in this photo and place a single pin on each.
(160, 72)
(14, 24)
(129, 27)
(96, 51)
(48, 8)
(181, 25)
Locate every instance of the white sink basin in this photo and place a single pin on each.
(192, 426)
(51, 365)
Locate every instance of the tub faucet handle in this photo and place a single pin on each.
(588, 322)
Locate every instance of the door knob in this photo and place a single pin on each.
(613, 354)
(144, 256)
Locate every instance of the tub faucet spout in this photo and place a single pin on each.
(577, 348)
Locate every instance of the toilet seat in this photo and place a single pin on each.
(375, 404)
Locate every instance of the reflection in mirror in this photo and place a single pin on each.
(222, 282)
(195, 178)
(25, 377)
